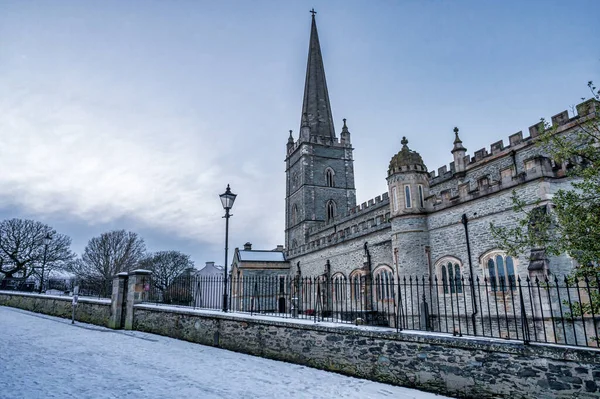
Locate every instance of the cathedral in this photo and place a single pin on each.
(429, 222)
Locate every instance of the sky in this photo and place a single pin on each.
(136, 115)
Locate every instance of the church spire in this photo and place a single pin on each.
(316, 105)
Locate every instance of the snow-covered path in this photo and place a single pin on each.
(47, 357)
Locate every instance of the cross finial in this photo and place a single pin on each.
(313, 12)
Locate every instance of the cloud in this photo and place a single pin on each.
(65, 152)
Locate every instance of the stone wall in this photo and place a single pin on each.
(93, 311)
(348, 255)
(465, 367)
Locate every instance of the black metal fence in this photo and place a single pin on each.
(60, 286)
(549, 309)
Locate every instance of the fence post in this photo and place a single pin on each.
(524, 322)
(424, 313)
(136, 293)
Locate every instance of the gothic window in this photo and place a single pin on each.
(421, 196)
(294, 243)
(384, 283)
(449, 276)
(330, 210)
(500, 272)
(329, 177)
(356, 286)
(395, 198)
(338, 282)
(407, 198)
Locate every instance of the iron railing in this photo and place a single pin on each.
(87, 287)
(539, 309)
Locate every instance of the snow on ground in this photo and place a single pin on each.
(47, 357)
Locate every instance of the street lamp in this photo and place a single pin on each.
(227, 199)
(46, 239)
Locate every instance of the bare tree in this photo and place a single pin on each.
(24, 252)
(166, 266)
(107, 255)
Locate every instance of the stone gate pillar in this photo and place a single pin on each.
(117, 300)
(139, 280)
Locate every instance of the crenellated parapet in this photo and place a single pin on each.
(364, 219)
(503, 166)
(382, 199)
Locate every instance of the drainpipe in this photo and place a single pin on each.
(368, 285)
(465, 222)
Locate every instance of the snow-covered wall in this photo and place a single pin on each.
(88, 310)
(466, 367)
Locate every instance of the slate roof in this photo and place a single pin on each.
(261, 256)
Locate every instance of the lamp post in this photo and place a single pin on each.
(47, 239)
(465, 222)
(227, 199)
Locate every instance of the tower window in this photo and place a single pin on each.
(329, 177)
(330, 210)
(395, 198)
(407, 198)
(421, 196)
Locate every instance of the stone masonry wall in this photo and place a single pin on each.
(93, 311)
(469, 368)
(347, 255)
(447, 234)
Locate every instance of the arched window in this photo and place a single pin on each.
(338, 282)
(407, 199)
(449, 275)
(421, 196)
(500, 271)
(329, 177)
(330, 210)
(356, 286)
(384, 283)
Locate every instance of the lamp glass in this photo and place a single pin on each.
(227, 198)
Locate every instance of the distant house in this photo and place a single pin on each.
(252, 271)
(210, 269)
(208, 288)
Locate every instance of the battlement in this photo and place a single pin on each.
(366, 205)
(371, 216)
(535, 167)
(337, 142)
(561, 122)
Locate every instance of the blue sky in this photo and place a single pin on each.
(136, 114)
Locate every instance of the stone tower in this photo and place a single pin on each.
(319, 166)
(408, 186)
